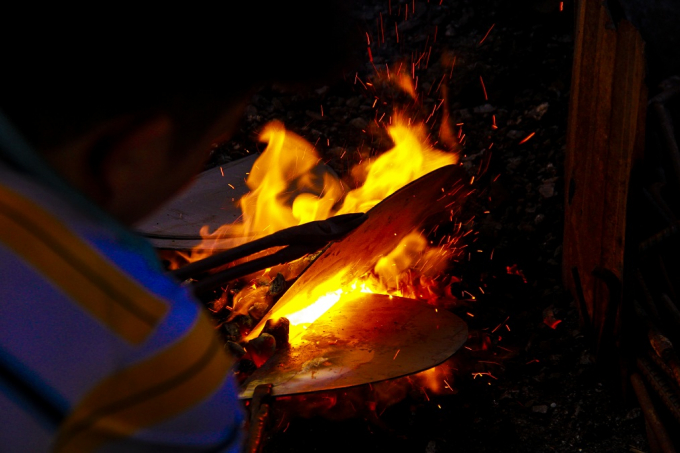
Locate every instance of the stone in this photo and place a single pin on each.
(359, 123)
(541, 409)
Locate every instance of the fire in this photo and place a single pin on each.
(409, 159)
(290, 186)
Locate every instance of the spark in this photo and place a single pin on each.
(486, 35)
(396, 30)
(484, 373)
(321, 110)
(494, 126)
(526, 139)
(395, 355)
(486, 96)
(356, 77)
(435, 33)
(499, 325)
(490, 361)
(452, 65)
(231, 186)
(469, 314)
(447, 385)
(440, 83)
(552, 324)
(561, 6)
(368, 39)
(382, 29)
(222, 171)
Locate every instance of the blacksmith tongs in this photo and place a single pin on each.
(297, 241)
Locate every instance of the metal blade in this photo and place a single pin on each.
(363, 338)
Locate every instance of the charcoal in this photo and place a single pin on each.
(278, 285)
(259, 309)
(249, 296)
(236, 349)
(230, 331)
(245, 366)
(244, 322)
(261, 348)
(279, 330)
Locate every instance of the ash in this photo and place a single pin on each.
(526, 381)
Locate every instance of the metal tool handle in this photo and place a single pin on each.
(306, 238)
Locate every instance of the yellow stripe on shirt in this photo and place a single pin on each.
(87, 277)
(149, 392)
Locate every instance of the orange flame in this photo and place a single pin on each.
(290, 187)
(409, 159)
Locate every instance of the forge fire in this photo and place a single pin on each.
(394, 254)
(492, 257)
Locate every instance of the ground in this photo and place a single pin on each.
(509, 87)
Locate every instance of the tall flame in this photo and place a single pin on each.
(409, 159)
(289, 186)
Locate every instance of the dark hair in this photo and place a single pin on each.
(68, 69)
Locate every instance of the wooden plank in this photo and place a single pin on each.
(605, 138)
(589, 130)
(626, 133)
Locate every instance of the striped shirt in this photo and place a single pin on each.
(99, 350)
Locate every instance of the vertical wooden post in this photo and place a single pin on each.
(605, 136)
